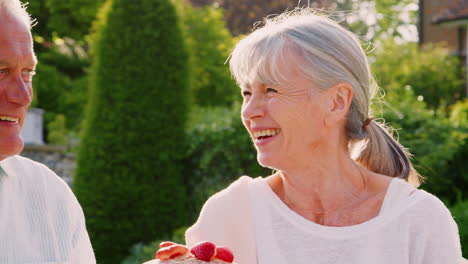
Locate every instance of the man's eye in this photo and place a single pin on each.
(28, 75)
(3, 72)
(271, 90)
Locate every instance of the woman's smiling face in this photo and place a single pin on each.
(285, 121)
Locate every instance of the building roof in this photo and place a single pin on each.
(457, 11)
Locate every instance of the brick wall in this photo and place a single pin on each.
(438, 33)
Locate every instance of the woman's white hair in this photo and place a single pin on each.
(327, 54)
(15, 9)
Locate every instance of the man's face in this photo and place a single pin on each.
(17, 64)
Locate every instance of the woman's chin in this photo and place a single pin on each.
(268, 160)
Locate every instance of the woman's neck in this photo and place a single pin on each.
(330, 193)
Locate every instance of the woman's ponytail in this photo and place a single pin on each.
(330, 55)
(383, 154)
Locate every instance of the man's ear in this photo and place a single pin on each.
(339, 100)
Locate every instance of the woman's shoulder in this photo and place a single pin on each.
(412, 205)
(236, 191)
(420, 204)
(429, 204)
(225, 218)
(432, 226)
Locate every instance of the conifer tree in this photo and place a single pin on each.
(129, 178)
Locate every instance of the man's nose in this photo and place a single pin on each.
(253, 108)
(18, 91)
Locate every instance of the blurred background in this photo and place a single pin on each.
(135, 107)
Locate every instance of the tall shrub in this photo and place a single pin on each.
(128, 180)
(210, 43)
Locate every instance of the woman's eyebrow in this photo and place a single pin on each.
(246, 87)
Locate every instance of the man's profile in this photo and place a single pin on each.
(40, 219)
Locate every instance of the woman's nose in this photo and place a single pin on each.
(253, 108)
(18, 91)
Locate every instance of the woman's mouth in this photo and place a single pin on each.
(262, 136)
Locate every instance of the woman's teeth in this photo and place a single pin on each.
(266, 133)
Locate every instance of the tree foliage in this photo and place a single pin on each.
(241, 15)
(460, 215)
(431, 72)
(439, 147)
(369, 18)
(420, 86)
(60, 87)
(210, 43)
(129, 179)
(63, 18)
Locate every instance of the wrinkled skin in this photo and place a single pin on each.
(17, 64)
(316, 176)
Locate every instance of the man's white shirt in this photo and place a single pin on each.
(41, 220)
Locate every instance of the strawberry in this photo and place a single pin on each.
(166, 244)
(225, 254)
(204, 250)
(170, 252)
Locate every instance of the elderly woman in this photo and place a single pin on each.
(345, 190)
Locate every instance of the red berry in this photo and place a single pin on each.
(203, 250)
(166, 244)
(170, 252)
(225, 254)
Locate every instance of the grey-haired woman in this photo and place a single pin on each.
(345, 190)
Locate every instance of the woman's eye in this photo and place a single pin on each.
(271, 90)
(246, 93)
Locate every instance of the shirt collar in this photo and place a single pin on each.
(2, 172)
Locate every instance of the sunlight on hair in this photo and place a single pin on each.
(312, 42)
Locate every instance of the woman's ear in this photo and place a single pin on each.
(339, 100)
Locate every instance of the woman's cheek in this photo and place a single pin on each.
(279, 109)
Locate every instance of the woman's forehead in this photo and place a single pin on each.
(273, 71)
(292, 79)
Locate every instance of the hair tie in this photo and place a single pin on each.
(367, 122)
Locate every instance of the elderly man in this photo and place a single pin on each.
(40, 218)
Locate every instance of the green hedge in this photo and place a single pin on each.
(210, 44)
(220, 152)
(129, 178)
(460, 214)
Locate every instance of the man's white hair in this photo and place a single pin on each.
(16, 9)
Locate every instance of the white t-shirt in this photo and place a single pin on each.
(40, 219)
(413, 227)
